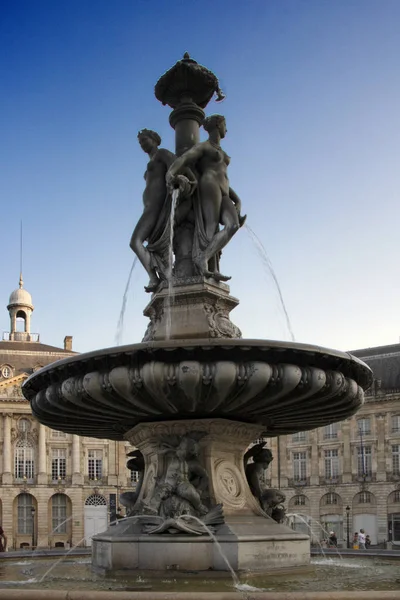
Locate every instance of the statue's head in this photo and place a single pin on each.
(215, 122)
(188, 448)
(264, 457)
(148, 139)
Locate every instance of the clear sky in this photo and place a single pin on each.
(312, 108)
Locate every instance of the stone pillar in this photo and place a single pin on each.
(7, 473)
(112, 450)
(346, 452)
(77, 476)
(315, 450)
(380, 454)
(42, 475)
(186, 119)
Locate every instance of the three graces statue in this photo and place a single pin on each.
(207, 212)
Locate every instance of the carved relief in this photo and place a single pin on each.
(229, 480)
(219, 322)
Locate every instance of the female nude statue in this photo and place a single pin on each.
(154, 199)
(217, 201)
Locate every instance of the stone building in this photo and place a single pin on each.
(347, 475)
(57, 489)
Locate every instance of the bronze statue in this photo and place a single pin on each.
(215, 203)
(129, 499)
(270, 499)
(156, 203)
(185, 483)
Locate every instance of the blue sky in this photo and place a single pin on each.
(312, 107)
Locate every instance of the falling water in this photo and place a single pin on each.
(267, 263)
(303, 519)
(120, 324)
(170, 296)
(235, 578)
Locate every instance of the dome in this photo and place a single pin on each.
(20, 297)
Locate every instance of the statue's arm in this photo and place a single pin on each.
(189, 157)
(235, 199)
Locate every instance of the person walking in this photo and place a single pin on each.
(367, 541)
(355, 541)
(332, 539)
(361, 539)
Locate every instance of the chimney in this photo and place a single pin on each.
(68, 343)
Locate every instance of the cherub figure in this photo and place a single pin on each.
(269, 498)
(185, 480)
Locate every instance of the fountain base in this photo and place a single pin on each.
(249, 543)
(248, 538)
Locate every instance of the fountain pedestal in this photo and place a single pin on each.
(248, 538)
(198, 309)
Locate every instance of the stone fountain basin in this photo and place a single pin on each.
(285, 387)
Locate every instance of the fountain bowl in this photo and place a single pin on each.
(283, 387)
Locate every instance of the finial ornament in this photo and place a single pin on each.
(21, 281)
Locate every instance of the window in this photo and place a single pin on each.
(59, 513)
(58, 464)
(331, 431)
(396, 496)
(60, 435)
(25, 517)
(135, 476)
(300, 500)
(95, 464)
(396, 459)
(364, 498)
(331, 498)
(299, 466)
(364, 426)
(364, 461)
(299, 437)
(396, 424)
(331, 464)
(24, 466)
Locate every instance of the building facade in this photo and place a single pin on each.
(346, 476)
(56, 489)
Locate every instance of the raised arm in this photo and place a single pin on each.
(189, 157)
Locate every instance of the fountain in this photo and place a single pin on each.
(194, 395)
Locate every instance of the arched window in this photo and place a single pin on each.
(95, 500)
(364, 498)
(24, 460)
(59, 513)
(25, 517)
(21, 321)
(331, 499)
(300, 500)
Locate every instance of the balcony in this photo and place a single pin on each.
(334, 480)
(59, 481)
(20, 336)
(298, 482)
(368, 477)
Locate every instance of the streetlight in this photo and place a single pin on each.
(33, 511)
(348, 524)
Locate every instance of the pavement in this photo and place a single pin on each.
(43, 552)
(379, 552)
